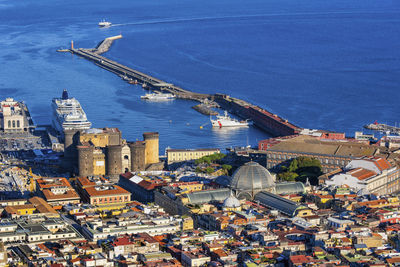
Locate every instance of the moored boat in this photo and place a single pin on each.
(226, 121)
(158, 96)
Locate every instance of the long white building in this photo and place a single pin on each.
(370, 174)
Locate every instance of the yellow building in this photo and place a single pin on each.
(304, 212)
(101, 137)
(99, 152)
(187, 223)
(188, 187)
(26, 209)
(99, 162)
(151, 140)
(180, 155)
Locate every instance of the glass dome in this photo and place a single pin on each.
(252, 178)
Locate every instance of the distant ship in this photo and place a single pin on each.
(104, 23)
(158, 96)
(226, 121)
(68, 114)
(383, 128)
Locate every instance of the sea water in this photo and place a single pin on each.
(331, 65)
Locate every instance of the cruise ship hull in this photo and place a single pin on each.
(68, 115)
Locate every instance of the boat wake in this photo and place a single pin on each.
(178, 20)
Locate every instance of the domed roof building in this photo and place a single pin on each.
(231, 202)
(250, 179)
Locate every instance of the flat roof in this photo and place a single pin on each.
(193, 150)
(113, 190)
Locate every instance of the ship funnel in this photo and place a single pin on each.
(65, 94)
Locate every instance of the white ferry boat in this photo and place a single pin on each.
(104, 23)
(68, 114)
(158, 96)
(226, 121)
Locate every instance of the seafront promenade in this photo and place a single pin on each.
(263, 119)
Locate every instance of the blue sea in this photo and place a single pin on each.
(331, 65)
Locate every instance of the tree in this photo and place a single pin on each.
(288, 176)
(207, 160)
(209, 170)
(227, 167)
(293, 166)
(304, 162)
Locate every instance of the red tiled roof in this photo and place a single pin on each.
(127, 175)
(70, 194)
(84, 181)
(373, 202)
(116, 190)
(382, 164)
(122, 241)
(393, 260)
(42, 205)
(150, 185)
(361, 174)
(299, 259)
(52, 182)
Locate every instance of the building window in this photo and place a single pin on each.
(13, 124)
(9, 124)
(18, 124)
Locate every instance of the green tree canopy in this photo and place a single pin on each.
(209, 170)
(210, 159)
(227, 167)
(300, 169)
(288, 176)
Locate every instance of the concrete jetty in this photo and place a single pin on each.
(105, 45)
(130, 74)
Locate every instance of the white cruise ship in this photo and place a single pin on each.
(68, 114)
(226, 121)
(158, 97)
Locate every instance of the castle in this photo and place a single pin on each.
(99, 152)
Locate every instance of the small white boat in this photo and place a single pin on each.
(158, 96)
(104, 23)
(126, 78)
(226, 121)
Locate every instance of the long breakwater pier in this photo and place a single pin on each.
(263, 119)
(131, 75)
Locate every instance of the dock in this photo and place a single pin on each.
(128, 73)
(105, 45)
(381, 127)
(263, 119)
(205, 110)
